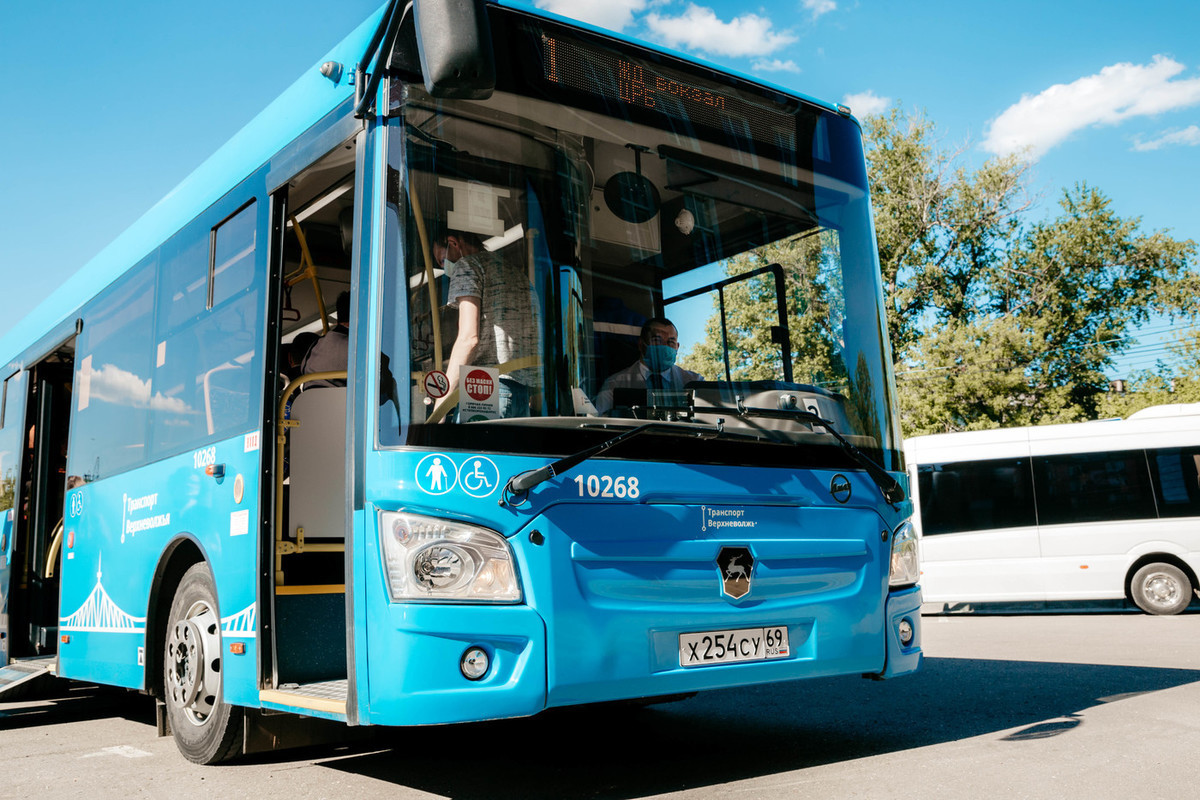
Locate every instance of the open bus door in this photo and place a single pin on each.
(33, 486)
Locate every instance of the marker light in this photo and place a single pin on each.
(474, 663)
(906, 564)
(433, 559)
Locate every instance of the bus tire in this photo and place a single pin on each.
(206, 729)
(1161, 588)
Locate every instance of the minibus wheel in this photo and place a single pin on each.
(1161, 588)
(206, 728)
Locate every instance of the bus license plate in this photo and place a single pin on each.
(727, 647)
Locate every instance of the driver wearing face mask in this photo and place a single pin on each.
(655, 371)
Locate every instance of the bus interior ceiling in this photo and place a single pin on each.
(317, 241)
(33, 620)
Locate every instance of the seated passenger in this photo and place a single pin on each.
(296, 351)
(656, 370)
(330, 352)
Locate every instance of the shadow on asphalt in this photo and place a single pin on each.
(58, 702)
(729, 735)
(624, 751)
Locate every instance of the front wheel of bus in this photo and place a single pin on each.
(205, 727)
(1161, 589)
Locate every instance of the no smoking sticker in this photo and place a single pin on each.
(437, 385)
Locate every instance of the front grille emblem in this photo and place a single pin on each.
(736, 565)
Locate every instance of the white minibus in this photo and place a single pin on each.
(1087, 511)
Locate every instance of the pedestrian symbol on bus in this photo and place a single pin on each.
(478, 476)
(436, 473)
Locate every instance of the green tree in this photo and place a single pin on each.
(812, 285)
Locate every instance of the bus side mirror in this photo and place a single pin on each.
(454, 40)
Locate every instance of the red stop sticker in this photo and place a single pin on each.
(480, 385)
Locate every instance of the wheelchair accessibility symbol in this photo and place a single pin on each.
(478, 476)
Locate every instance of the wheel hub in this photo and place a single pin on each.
(193, 675)
(187, 663)
(1161, 589)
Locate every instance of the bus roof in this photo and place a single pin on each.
(1157, 426)
(301, 106)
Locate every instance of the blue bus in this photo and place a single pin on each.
(600, 405)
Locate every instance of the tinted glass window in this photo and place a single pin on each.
(975, 495)
(233, 256)
(114, 380)
(183, 284)
(1176, 481)
(208, 369)
(1093, 487)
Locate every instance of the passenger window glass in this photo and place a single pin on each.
(1093, 487)
(183, 282)
(233, 256)
(1176, 481)
(114, 378)
(975, 495)
(207, 370)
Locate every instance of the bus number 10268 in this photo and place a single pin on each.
(607, 486)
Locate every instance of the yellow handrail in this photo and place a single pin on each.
(308, 270)
(435, 311)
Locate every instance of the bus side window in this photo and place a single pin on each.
(114, 387)
(209, 365)
(1176, 473)
(1093, 487)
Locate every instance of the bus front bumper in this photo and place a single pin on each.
(903, 658)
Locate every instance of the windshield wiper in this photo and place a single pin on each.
(891, 489)
(519, 484)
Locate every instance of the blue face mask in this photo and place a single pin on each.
(660, 357)
(449, 266)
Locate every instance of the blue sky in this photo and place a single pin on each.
(107, 106)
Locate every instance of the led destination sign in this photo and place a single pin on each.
(577, 65)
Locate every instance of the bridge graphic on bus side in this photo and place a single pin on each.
(242, 624)
(99, 614)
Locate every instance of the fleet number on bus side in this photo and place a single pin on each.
(607, 486)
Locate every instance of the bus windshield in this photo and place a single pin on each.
(564, 263)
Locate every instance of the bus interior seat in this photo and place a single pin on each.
(317, 497)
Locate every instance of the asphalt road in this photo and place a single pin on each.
(1088, 706)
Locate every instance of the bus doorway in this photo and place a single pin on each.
(308, 591)
(33, 524)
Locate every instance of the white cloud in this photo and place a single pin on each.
(775, 65)
(698, 28)
(864, 104)
(1112, 95)
(1189, 136)
(616, 15)
(818, 7)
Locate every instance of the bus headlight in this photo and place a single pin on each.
(433, 559)
(906, 564)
